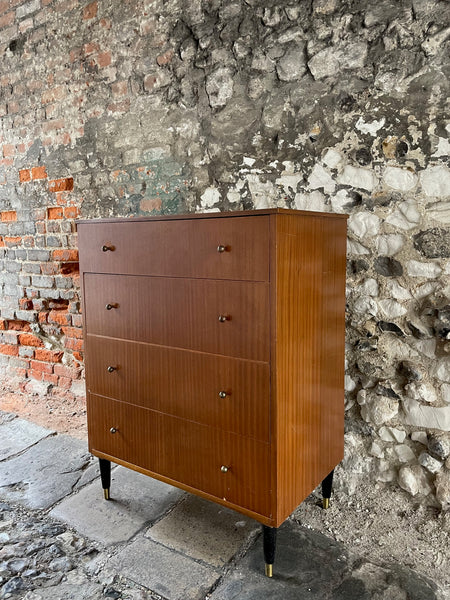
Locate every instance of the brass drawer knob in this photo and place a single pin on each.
(222, 394)
(111, 369)
(108, 248)
(224, 469)
(111, 306)
(223, 318)
(221, 248)
(113, 430)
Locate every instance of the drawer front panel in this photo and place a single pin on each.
(186, 384)
(187, 453)
(196, 455)
(136, 436)
(220, 317)
(182, 248)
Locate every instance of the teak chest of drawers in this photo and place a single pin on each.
(215, 353)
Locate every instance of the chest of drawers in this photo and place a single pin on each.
(215, 352)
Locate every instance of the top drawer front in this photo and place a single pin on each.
(226, 248)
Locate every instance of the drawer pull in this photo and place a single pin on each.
(113, 430)
(109, 248)
(111, 369)
(221, 248)
(110, 306)
(223, 318)
(222, 394)
(224, 469)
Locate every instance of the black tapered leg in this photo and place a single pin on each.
(269, 545)
(327, 485)
(105, 475)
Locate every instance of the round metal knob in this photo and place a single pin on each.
(224, 469)
(111, 369)
(221, 248)
(113, 430)
(222, 394)
(110, 306)
(106, 248)
(223, 318)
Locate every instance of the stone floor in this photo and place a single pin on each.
(60, 540)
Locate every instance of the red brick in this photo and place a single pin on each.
(164, 59)
(60, 317)
(78, 356)
(104, 59)
(53, 125)
(61, 185)
(24, 175)
(64, 382)
(9, 150)
(28, 339)
(52, 356)
(9, 350)
(71, 212)
(74, 344)
(3, 325)
(20, 373)
(7, 19)
(12, 241)
(55, 212)
(120, 88)
(39, 173)
(90, 11)
(54, 94)
(4, 6)
(41, 366)
(91, 47)
(65, 255)
(9, 215)
(42, 317)
(50, 268)
(17, 325)
(69, 372)
(51, 378)
(36, 375)
(73, 332)
(26, 304)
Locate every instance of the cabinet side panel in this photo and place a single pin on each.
(310, 325)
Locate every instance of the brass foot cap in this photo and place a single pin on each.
(106, 494)
(326, 503)
(269, 570)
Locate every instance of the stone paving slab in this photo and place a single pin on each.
(168, 573)
(45, 473)
(310, 565)
(16, 435)
(203, 530)
(135, 500)
(76, 587)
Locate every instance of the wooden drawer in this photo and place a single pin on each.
(183, 383)
(136, 439)
(184, 452)
(195, 454)
(181, 248)
(183, 313)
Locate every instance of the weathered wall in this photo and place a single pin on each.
(142, 107)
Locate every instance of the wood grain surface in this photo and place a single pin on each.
(183, 383)
(178, 248)
(182, 313)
